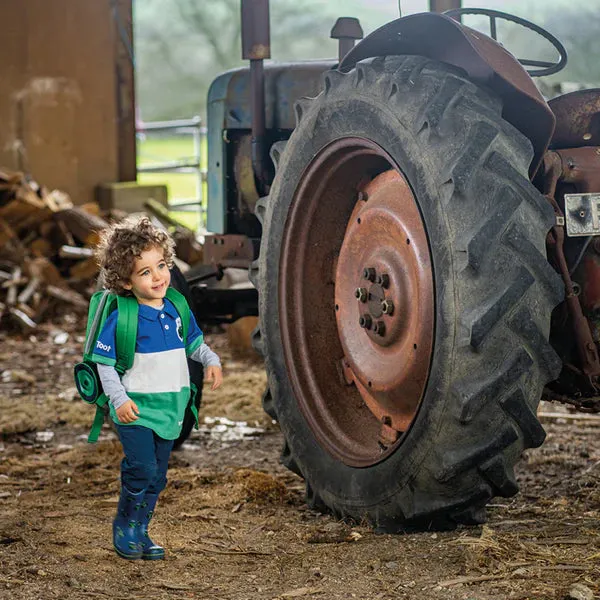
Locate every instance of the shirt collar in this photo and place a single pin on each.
(152, 314)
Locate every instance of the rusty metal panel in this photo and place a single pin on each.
(58, 114)
(577, 119)
(485, 61)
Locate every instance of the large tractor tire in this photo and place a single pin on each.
(405, 296)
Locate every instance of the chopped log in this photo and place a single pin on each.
(187, 247)
(14, 251)
(41, 303)
(84, 270)
(15, 212)
(41, 237)
(11, 297)
(161, 212)
(6, 232)
(67, 295)
(21, 318)
(81, 224)
(36, 300)
(57, 200)
(43, 269)
(28, 291)
(27, 310)
(6, 285)
(33, 220)
(10, 178)
(54, 235)
(75, 252)
(28, 196)
(40, 247)
(47, 228)
(68, 237)
(29, 238)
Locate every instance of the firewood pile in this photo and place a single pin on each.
(47, 262)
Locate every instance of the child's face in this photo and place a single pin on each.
(150, 278)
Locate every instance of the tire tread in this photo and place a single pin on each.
(483, 164)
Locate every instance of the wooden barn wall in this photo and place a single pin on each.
(58, 93)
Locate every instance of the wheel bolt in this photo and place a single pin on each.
(370, 274)
(365, 321)
(379, 328)
(383, 280)
(361, 294)
(387, 307)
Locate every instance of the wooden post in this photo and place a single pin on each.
(122, 12)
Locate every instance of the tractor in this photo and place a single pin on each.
(420, 226)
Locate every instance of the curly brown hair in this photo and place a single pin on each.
(122, 243)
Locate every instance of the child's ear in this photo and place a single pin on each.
(126, 285)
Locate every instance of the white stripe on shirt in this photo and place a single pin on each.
(157, 372)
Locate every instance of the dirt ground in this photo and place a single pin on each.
(234, 522)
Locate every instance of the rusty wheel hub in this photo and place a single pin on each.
(384, 295)
(355, 247)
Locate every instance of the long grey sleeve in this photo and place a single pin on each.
(112, 386)
(203, 354)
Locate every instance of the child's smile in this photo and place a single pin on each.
(150, 278)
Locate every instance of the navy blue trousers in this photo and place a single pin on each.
(146, 459)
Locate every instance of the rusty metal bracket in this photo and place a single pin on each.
(228, 250)
(588, 352)
(582, 403)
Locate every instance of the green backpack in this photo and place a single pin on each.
(102, 304)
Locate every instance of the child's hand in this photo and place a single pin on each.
(127, 413)
(214, 374)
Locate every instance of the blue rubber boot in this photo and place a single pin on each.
(126, 537)
(150, 550)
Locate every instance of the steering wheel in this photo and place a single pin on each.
(548, 68)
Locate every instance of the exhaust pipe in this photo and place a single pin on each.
(256, 46)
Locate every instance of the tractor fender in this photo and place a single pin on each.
(485, 61)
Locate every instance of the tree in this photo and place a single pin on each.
(180, 50)
(577, 28)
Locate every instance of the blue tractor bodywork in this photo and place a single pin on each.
(236, 179)
(229, 129)
(231, 189)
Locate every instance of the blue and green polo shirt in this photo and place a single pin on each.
(159, 380)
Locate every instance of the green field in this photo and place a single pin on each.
(181, 186)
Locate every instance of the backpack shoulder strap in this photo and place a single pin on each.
(182, 307)
(127, 322)
(98, 311)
